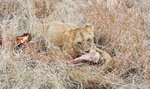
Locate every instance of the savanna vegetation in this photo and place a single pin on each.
(121, 28)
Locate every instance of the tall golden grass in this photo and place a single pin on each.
(120, 25)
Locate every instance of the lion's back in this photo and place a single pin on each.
(53, 31)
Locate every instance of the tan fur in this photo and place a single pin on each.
(75, 42)
(53, 31)
(72, 25)
(73, 37)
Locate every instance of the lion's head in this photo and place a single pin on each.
(79, 41)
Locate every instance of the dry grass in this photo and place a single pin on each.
(120, 25)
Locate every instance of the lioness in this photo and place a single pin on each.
(75, 41)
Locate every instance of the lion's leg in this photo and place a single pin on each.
(107, 57)
(103, 53)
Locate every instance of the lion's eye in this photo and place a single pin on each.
(88, 40)
(79, 43)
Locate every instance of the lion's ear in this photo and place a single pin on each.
(89, 26)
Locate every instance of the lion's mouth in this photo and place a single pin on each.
(84, 52)
(87, 51)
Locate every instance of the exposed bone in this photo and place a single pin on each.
(92, 56)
